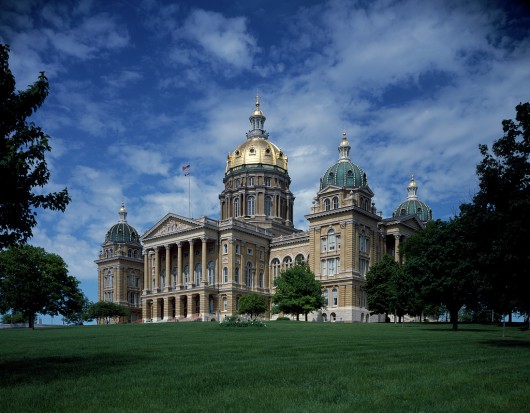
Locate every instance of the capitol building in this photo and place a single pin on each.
(184, 269)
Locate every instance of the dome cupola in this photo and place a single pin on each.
(344, 173)
(413, 205)
(257, 151)
(122, 232)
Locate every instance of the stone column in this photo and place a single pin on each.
(203, 261)
(205, 305)
(191, 306)
(146, 272)
(156, 269)
(396, 247)
(169, 282)
(179, 265)
(192, 262)
(144, 309)
(167, 312)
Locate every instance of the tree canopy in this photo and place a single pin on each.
(441, 260)
(252, 304)
(499, 215)
(297, 291)
(23, 166)
(34, 281)
(107, 311)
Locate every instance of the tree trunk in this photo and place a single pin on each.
(297, 317)
(31, 321)
(305, 317)
(453, 313)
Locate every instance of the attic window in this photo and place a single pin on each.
(252, 151)
(268, 151)
(350, 173)
(237, 153)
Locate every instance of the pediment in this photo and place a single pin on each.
(170, 224)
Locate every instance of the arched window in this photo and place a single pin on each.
(237, 210)
(186, 273)
(237, 275)
(260, 281)
(287, 262)
(335, 297)
(327, 204)
(211, 273)
(326, 297)
(248, 275)
(330, 178)
(174, 273)
(335, 202)
(210, 305)
(225, 303)
(299, 258)
(331, 240)
(268, 206)
(129, 253)
(225, 275)
(251, 205)
(275, 268)
(198, 274)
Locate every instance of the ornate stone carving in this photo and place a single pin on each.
(171, 226)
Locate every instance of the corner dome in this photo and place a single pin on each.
(122, 232)
(344, 173)
(413, 205)
(257, 151)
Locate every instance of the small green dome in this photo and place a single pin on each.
(122, 232)
(413, 205)
(344, 173)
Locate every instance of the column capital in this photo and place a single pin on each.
(167, 246)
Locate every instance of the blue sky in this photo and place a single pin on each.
(141, 88)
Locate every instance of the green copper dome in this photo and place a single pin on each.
(122, 232)
(413, 205)
(344, 173)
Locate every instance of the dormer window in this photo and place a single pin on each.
(252, 151)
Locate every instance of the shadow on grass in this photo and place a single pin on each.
(506, 343)
(48, 369)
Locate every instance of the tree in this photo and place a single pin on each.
(500, 212)
(106, 310)
(388, 288)
(442, 260)
(297, 291)
(15, 318)
(33, 281)
(79, 315)
(252, 304)
(23, 165)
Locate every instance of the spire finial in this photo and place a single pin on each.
(412, 188)
(123, 212)
(344, 148)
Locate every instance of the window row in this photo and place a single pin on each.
(334, 297)
(251, 206)
(329, 203)
(277, 267)
(330, 266)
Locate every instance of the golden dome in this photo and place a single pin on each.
(256, 152)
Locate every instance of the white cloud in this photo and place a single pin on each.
(220, 37)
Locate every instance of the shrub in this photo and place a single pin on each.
(235, 321)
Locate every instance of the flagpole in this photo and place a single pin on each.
(189, 195)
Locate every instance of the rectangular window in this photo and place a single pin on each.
(250, 251)
(338, 265)
(267, 182)
(251, 181)
(323, 268)
(323, 244)
(338, 242)
(331, 266)
(238, 249)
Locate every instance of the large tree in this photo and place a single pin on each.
(442, 261)
(33, 281)
(23, 167)
(252, 304)
(390, 290)
(500, 215)
(297, 291)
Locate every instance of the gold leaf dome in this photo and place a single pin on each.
(257, 151)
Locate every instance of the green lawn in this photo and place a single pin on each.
(286, 367)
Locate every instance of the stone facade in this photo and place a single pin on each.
(200, 268)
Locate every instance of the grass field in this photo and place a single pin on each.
(286, 367)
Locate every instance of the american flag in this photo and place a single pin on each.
(186, 168)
